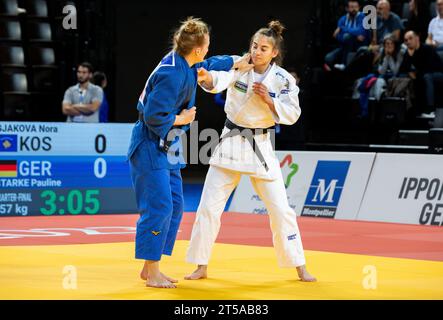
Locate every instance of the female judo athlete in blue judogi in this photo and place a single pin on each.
(167, 102)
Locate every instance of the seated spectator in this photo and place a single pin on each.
(397, 85)
(419, 17)
(81, 102)
(101, 80)
(350, 34)
(387, 23)
(375, 86)
(423, 65)
(392, 57)
(435, 32)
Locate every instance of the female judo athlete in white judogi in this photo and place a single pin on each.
(257, 99)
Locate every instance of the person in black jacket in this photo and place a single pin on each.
(419, 18)
(423, 64)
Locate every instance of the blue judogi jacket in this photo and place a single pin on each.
(171, 87)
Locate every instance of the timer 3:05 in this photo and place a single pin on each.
(75, 202)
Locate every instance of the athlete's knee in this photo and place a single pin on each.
(280, 215)
(178, 206)
(208, 212)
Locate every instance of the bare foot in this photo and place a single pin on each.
(200, 273)
(158, 281)
(169, 278)
(304, 275)
(144, 275)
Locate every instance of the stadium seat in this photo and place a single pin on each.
(45, 78)
(12, 56)
(10, 30)
(433, 9)
(41, 56)
(405, 11)
(351, 56)
(44, 70)
(15, 96)
(45, 106)
(9, 8)
(16, 82)
(37, 8)
(391, 110)
(39, 31)
(16, 106)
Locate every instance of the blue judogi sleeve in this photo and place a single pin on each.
(217, 63)
(160, 109)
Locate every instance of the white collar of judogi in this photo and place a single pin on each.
(266, 81)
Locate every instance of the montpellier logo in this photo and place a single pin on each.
(293, 167)
(326, 189)
(8, 143)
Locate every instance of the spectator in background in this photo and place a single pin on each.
(81, 102)
(385, 83)
(397, 85)
(387, 23)
(435, 31)
(391, 58)
(423, 64)
(101, 80)
(419, 17)
(350, 34)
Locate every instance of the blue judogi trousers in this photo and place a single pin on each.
(159, 196)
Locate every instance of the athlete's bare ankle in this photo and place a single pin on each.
(153, 268)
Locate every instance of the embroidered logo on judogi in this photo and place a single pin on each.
(156, 233)
(240, 86)
(293, 237)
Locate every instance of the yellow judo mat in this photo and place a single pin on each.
(109, 271)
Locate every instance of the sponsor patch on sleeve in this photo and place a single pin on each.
(240, 86)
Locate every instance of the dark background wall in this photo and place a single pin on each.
(144, 30)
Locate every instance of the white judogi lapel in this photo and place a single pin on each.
(246, 109)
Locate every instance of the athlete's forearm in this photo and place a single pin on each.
(207, 85)
(207, 82)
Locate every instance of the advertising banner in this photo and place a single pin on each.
(405, 188)
(318, 184)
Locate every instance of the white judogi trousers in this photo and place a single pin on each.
(219, 185)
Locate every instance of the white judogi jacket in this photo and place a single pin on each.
(246, 109)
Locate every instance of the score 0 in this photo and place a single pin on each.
(100, 165)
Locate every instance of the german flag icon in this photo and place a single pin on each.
(8, 168)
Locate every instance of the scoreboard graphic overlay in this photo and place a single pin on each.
(64, 169)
